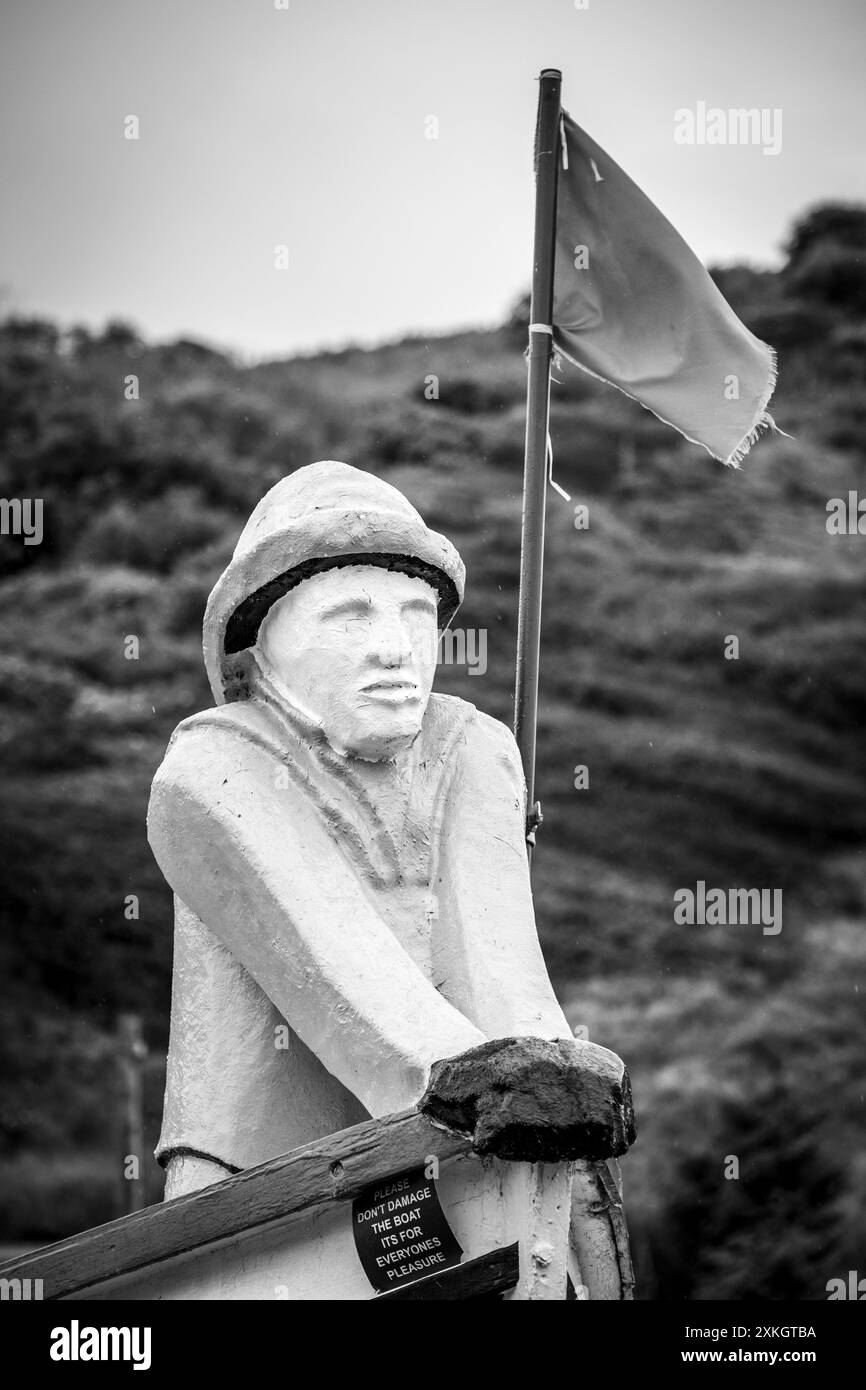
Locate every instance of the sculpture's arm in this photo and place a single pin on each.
(485, 888)
(535, 1101)
(255, 862)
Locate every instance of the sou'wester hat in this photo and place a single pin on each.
(320, 517)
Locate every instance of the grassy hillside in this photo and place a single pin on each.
(747, 773)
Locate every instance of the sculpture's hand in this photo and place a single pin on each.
(535, 1101)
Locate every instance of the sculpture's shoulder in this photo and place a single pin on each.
(204, 743)
(480, 742)
(243, 719)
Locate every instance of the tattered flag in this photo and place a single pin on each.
(635, 307)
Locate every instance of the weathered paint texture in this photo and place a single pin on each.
(347, 853)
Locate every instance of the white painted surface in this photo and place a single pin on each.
(349, 861)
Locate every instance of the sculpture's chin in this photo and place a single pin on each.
(377, 744)
(384, 752)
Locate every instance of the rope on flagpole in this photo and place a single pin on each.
(550, 478)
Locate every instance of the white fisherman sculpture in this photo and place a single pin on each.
(354, 923)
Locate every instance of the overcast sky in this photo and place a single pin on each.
(306, 127)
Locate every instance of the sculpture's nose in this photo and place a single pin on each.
(390, 645)
(393, 647)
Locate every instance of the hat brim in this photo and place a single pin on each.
(242, 628)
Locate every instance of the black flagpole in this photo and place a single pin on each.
(537, 420)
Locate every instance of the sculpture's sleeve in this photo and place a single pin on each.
(485, 891)
(255, 862)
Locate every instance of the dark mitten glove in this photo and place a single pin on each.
(535, 1101)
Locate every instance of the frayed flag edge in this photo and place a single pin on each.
(763, 419)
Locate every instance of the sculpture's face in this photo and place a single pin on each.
(355, 648)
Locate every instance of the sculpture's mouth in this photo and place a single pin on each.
(392, 691)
